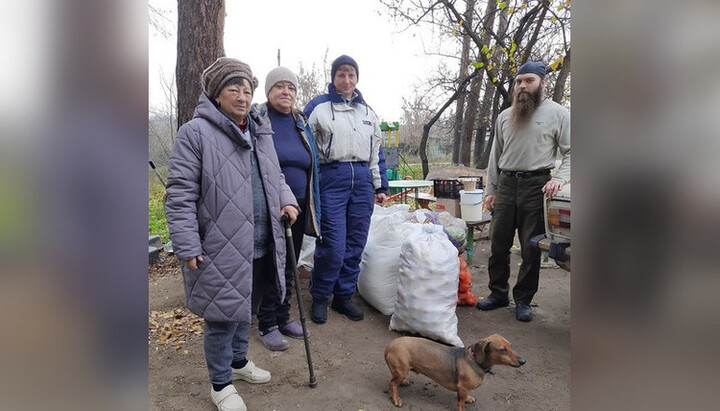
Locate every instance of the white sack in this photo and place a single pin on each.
(380, 264)
(428, 286)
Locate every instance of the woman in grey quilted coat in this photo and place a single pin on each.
(225, 197)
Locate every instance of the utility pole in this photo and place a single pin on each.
(278, 57)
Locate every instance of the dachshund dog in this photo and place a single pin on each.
(457, 369)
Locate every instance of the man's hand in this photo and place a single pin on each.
(291, 212)
(552, 187)
(193, 262)
(380, 198)
(490, 202)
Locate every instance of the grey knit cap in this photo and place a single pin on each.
(279, 74)
(224, 69)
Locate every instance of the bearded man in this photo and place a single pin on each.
(528, 136)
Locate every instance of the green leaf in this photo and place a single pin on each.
(477, 64)
(502, 5)
(484, 50)
(555, 64)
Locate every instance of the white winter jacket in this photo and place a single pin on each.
(345, 132)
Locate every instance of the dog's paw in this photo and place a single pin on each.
(470, 399)
(404, 383)
(398, 403)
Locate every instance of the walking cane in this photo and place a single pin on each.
(293, 265)
(157, 173)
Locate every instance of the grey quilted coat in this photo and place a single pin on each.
(209, 209)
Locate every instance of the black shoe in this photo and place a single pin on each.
(347, 308)
(523, 312)
(492, 303)
(318, 312)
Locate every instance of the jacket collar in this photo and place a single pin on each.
(336, 97)
(212, 113)
(262, 110)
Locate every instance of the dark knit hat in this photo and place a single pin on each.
(277, 75)
(339, 62)
(532, 67)
(224, 69)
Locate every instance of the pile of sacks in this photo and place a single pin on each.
(411, 270)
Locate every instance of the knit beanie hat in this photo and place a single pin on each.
(339, 62)
(279, 74)
(533, 67)
(224, 69)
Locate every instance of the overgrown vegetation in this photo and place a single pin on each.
(156, 210)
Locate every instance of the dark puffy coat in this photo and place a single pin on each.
(209, 208)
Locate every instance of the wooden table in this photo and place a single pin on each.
(486, 218)
(413, 184)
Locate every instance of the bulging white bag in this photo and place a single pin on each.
(307, 253)
(380, 264)
(428, 286)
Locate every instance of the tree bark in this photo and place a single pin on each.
(472, 115)
(559, 90)
(534, 38)
(464, 64)
(201, 26)
(436, 117)
(481, 152)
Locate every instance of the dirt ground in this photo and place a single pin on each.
(348, 356)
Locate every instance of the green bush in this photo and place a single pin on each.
(158, 223)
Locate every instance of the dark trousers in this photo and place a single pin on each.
(271, 311)
(518, 206)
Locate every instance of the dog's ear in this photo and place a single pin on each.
(480, 350)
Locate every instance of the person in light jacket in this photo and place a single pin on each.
(529, 135)
(225, 197)
(297, 153)
(347, 133)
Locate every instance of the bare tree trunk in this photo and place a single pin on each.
(481, 152)
(464, 64)
(534, 38)
(483, 126)
(436, 117)
(201, 24)
(561, 79)
(485, 158)
(472, 115)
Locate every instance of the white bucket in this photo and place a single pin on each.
(471, 212)
(471, 196)
(471, 205)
